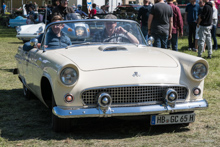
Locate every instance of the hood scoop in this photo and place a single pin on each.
(112, 48)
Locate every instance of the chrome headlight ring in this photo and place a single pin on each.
(80, 31)
(40, 29)
(199, 71)
(69, 76)
(18, 29)
(150, 41)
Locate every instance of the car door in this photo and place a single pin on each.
(29, 64)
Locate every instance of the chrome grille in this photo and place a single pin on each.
(132, 94)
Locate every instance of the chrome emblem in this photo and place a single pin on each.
(136, 74)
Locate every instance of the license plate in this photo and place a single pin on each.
(172, 119)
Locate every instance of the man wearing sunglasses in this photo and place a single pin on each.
(63, 9)
(111, 33)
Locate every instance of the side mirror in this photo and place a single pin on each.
(34, 42)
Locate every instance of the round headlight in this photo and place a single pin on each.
(79, 31)
(150, 41)
(199, 71)
(40, 29)
(68, 76)
(18, 29)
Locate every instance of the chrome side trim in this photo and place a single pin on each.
(128, 111)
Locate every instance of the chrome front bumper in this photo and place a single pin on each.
(128, 111)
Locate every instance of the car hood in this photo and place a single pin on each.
(109, 57)
(31, 28)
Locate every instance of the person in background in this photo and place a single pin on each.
(57, 2)
(191, 16)
(93, 11)
(4, 8)
(217, 3)
(214, 25)
(32, 16)
(177, 26)
(55, 37)
(160, 23)
(79, 10)
(103, 11)
(201, 5)
(175, 3)
(74, 7)
(35, 6)
(111, 33)
(143, 15)
(31, 5)
(27, 7)
(47, 14)
(62, 9)
(205, 24)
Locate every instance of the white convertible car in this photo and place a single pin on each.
(27, 32)
(105, 68)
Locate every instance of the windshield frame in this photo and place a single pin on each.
(90, 20)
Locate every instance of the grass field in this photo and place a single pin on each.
(28, 122)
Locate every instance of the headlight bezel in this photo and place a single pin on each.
(150, 41)
(199, 66)
(18, 29)
(67, 71)
(40, 29)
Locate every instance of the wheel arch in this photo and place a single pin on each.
(46, 91)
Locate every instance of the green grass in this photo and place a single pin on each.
(28, 123)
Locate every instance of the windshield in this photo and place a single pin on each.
(63, 34)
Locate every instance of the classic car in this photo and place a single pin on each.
(18, 21)
(127, 11)
(111, 77)
(27, 32)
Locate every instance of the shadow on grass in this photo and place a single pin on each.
(7, 70)
(23, 119)
(21, 42)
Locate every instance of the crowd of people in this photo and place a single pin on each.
(164, 22)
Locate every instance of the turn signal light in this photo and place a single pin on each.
(69, 98)
(196, 91)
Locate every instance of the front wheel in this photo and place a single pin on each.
(60, 124)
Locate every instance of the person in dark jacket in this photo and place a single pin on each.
(177, 26)
(143, 15)
(205, 24)
(191, 16)
(55, 37)
(63, 9)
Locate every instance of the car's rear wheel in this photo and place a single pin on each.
(60, 124)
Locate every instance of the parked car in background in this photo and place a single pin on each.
(127, 11)
(18, 21)
(27, 32)
(111, 77)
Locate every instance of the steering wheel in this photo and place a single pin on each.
(113, 37)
